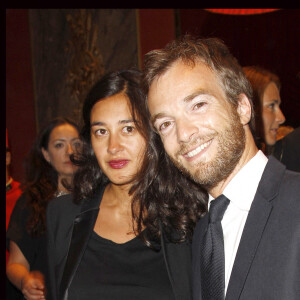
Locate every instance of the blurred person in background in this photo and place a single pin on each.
(266, 100)
(47, 166)
(13, 192)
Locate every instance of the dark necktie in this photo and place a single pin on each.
(212, 254)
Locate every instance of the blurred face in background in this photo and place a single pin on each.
(271, 113)
(63, 141)
(118, 145)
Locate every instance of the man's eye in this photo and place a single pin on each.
(164, 125)
(198, 105)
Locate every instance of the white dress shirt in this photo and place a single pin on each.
(240, 191)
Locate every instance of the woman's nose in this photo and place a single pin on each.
(70, 149)
(280, 116)
(114, 144)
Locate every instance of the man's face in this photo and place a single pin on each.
(200, 130)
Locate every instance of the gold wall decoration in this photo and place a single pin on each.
(85, 59)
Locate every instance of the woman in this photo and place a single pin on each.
(125, 233)
(47, 166)
(266, 100)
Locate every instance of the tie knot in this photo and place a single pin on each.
(217, 209)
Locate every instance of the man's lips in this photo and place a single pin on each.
(118, 164)
(197, 150)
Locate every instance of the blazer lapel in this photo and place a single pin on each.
(198, 235)
(82, 228)
(257, 219)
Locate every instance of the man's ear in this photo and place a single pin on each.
(46, 155)
(244, 109)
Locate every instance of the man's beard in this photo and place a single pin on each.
(231, 145)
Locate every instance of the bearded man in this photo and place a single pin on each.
(248, 244)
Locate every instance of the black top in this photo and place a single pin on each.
(33, 248)
(120, 271)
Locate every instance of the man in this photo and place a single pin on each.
(200, 104)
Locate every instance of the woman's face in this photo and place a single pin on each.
(271, 113)
(63, 141)
(118, 145)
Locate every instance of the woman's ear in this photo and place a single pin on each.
(244, 109)
(46, 155)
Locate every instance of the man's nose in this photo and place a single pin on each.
(185, 130)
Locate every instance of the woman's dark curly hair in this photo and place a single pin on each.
(161, 194)
(41, 179)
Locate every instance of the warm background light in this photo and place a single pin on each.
(241, 11)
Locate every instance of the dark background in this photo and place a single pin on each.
(37, 64)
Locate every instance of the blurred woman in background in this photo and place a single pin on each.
(266, 100)
(47, 166)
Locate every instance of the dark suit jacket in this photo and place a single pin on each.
(287, 150)
(267, 263)
(68, 230)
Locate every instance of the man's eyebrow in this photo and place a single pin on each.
(186, 99)
(197, 93)
(155, 117)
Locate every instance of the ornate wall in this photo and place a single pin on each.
(71, 49)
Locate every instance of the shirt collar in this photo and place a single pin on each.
(242, 188)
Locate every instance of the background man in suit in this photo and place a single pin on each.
(200, 104)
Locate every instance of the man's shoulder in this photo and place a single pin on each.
(276, 179)
(292, 180)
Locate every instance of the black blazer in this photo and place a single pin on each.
(68, 230)
(267, 263)
(287, 150)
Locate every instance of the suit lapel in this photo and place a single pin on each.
(256, 222)
(82, 228)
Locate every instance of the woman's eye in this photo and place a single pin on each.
(100, 132)
(59, 145)
(272, 106)
(128, 129)
(77, 145)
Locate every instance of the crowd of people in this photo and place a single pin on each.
(176, 187)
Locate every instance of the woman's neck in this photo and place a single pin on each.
(60, 186)
(118, 197)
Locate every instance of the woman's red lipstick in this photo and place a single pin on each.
(118, 164)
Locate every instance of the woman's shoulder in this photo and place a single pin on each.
(63, 204)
